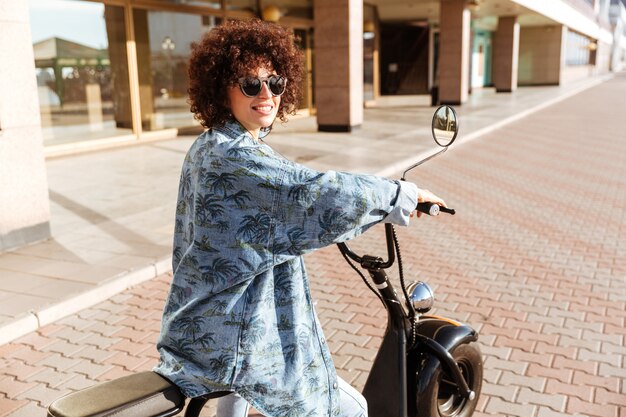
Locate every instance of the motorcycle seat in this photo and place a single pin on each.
(145, 394)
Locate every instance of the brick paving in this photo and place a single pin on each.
(535, 260)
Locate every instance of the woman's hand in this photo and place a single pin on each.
(425, 196)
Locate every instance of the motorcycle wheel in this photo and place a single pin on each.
(440, 398)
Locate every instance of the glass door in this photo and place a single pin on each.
(481, 59)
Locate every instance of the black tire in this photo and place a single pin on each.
(440, 398)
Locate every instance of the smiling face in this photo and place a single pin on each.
(254, 112)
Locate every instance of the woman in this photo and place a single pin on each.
(239, 315)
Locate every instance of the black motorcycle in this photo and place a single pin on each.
(426, 366)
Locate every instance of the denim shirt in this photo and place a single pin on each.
(239, 315)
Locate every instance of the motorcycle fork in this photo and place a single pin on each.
(391, 387)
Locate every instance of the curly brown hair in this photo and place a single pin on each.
(236, 49)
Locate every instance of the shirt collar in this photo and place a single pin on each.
(234, 129)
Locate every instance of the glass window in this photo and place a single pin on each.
(213, 4)
(369, 51)
(163, 47)
(81, 70)
(304, 40)
(578, 49)
(249, 6)
(288, 8)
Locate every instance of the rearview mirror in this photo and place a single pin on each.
(445, 126)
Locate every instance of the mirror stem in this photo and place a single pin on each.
(421, 162)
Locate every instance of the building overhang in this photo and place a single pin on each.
(485, 14)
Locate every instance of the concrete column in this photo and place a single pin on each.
(563, 55)
(505, 54)
(454, 51)
(338, 64)
(24, 204)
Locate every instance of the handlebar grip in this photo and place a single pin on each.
(433, 209)
(450, 211)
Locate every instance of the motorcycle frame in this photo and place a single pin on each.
(400, 372)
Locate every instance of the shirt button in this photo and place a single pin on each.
(323, 341)
(335, 385)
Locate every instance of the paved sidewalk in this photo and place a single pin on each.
(113, 211)
(535, 259)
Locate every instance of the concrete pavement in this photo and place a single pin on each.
(528, 261)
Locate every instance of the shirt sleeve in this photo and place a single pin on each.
(308, 209)
(405, 204)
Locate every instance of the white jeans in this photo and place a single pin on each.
(353, 404)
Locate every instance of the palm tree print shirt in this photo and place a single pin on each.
(239, 315)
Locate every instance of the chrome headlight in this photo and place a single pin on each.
(421, 296)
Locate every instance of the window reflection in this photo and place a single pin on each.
(578, 49)
(289, 8)
(304, 40)
(242, 5)
(81, 70)
(369, 52)
(163, 47)
(214, 4)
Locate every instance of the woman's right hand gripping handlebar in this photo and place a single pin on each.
(431, 204)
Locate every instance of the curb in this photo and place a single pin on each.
(33, 320)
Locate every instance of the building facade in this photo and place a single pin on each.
(617, 16)
(89, 74)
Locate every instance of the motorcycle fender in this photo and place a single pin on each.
(423, 364)
(447, 332)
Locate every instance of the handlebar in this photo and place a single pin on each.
(433, 209)
(366, 260)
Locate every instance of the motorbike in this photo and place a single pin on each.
(426, 365)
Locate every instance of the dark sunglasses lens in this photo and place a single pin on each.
(277, 85)
(251, 86)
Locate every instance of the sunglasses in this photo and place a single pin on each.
(252, 86)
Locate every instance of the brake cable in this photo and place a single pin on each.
(412, 313)
(365, 280)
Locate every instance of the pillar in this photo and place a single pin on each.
(116, 34)
(338, 64)
(505, 54)
(454, 51)
(24, 204)
(149, 119)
